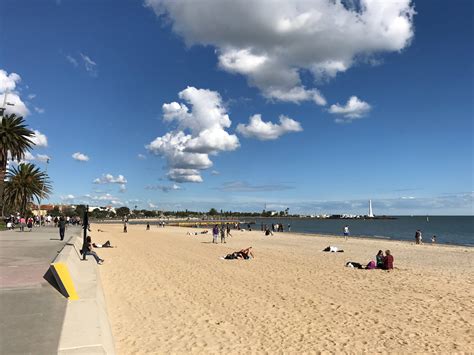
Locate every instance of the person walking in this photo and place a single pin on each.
(418, 237)
(228, 230)
(223, 234)
(346, 232)
(215, 234)
(62, 227)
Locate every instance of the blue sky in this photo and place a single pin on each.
(92, 78)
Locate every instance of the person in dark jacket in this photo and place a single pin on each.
(62, 227)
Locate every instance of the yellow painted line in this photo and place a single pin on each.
(64, 280)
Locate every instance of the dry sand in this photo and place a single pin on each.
(171, 293)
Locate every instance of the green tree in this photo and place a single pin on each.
(212, 212)
(122, 211)
(55, 212)
(25, 184)
(15, 138)
(80, 209)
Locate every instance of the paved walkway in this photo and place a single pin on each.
(31, 310)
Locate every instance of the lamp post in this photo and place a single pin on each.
(3, 108)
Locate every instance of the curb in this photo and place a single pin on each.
(86, 328)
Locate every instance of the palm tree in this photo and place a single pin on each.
(25, 183)
(15, 138)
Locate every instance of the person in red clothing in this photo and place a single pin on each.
(388, 260)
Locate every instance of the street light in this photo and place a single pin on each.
(3, 108)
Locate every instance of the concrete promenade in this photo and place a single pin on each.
(31, 310)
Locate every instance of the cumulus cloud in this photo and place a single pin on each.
(39, 139)
(110, 179)
(43, 158)
(256, 128)
(80, 157)
(164, 188)
(272, 42)
(354, 108)
(8, 84)
(200, 132)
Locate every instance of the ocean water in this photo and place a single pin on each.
(457, 230)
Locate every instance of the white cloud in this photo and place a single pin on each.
(141, 156)
(200, 132)
(123, 188)
(80, 157)
(354, 108)
(39, 109)
(184, 175)
(39, 157)
(31, 96)
(164, 188)
(152, 205)
(72, 60)
(272, 41)
(8, 84)
(268, 130)
(89, 64)
(215, 172)
(39, 139)
(43, 158)
(67, 197)
(110, 179)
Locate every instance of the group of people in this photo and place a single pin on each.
(419, 237)
(384, 262)
(223, 231)
(274, 227)
(24, 223)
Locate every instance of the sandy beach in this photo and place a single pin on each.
(168, 292)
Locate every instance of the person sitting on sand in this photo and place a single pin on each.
(333, 249)
(379, 259)
(268, 232)
(105, 245)
(205, 232)
(89, 251)
(388, 260)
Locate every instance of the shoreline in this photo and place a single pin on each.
(312, 234)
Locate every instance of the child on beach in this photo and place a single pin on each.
(346, 232)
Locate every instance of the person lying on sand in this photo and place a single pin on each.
(105, 245)
(333, 249)
(241, 254)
